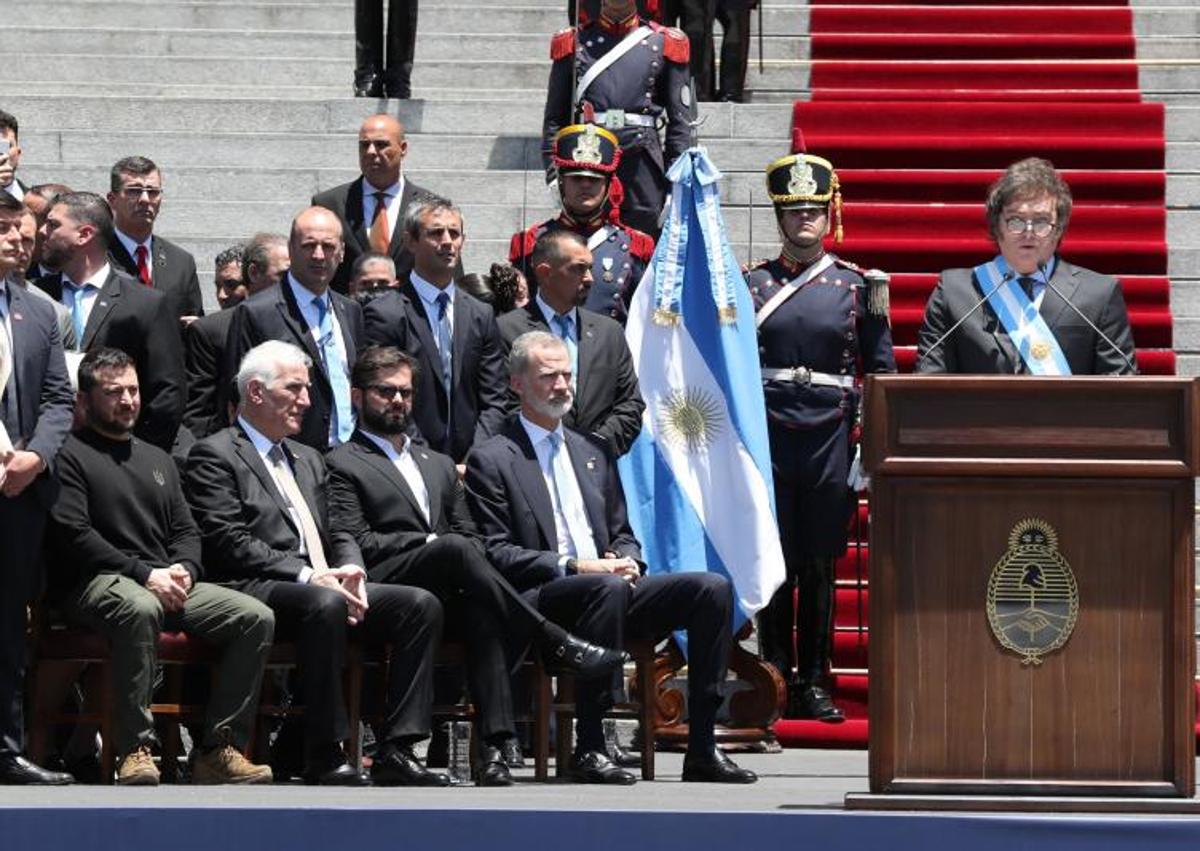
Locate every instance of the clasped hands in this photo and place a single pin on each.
(170, 585)
(350, 581)
(622, 566)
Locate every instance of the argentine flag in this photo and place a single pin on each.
(698, 478)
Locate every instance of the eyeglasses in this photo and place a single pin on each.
(133, 193)
(1017, 226)
(388, 392)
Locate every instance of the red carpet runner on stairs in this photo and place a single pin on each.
(920, 105)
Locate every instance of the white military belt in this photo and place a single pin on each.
(616, 119)
(804, 375)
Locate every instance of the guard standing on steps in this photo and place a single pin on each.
(822, 323)
(585, 159)
(372, 78)
(630, 76)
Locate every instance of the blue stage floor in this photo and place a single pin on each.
(796, 805)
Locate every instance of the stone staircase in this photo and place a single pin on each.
(245, 106)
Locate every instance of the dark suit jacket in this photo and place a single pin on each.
(982, 345)
(244, 520)
(173, 274)
(479, 382)
(511, 505)
(347, 201)
(207, 376)
(39, 383)
(608, 403)
(138, 320)
(274, 315)
(370, 501)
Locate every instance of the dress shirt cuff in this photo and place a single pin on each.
(305, 574)
(566, 566)
(431, 537)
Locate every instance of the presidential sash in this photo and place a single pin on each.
(1032, 337)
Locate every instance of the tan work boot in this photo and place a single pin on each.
(225, 764)
(137, 768)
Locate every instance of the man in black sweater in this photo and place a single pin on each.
(128, 558)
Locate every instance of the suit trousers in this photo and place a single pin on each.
(607, 610)
(482, 610)
(695, 18)
(401, 39)
(22, 522)
(735, 50)
(130, 616)
(314, 619)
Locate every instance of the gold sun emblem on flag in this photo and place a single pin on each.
(689, 419)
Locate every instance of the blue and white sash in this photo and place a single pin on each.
(1030, 334)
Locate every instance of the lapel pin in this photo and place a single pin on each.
(17, 317)
(424, 456)
(591, 464)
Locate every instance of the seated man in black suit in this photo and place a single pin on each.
(111, 309)
(550, 507)
(608, 404)
(404, 506)
(304, 311)
(135, 195)
(452, 335)
(1040, 315)
(127, 564)
(372, 206)
(259, 499)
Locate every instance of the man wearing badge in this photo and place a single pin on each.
(1027, 311)
(822, 323)
(585, 159)
(630, 76)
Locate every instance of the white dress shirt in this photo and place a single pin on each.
(408, 469)
(394, 211)
(131, 245)
(91, 289)
(562, 476)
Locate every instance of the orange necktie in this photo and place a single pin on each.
(380, 234)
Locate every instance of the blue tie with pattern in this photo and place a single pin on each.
(444, 339)
(566, 332)
(342, 425)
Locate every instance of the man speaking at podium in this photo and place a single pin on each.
(1026, 311)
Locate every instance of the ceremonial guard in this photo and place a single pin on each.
(630, 76)
(585, 159)
(822, 323)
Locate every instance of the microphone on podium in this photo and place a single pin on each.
(945, 336)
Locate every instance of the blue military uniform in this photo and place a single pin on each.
(620, 254)
(643, 90)
(821, 326)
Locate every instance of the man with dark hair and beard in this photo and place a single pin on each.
(821, 321)
(403, 505)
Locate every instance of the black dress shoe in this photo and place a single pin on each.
(368, 86)
(816, 703)
(343, 774)
(18, 771)
(624, 758)
(579, 658)
(510, 751)
(714, 767)
(595, 767)
(398, 766)
(492, 770)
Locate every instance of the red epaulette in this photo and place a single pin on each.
(676, 47)
(522, 243)
(846, 264)
(563, 44)
(641, 245)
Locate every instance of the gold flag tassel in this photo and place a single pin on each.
(837, 211)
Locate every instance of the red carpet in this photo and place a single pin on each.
(920, 106)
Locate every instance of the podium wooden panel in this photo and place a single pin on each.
(957, 462)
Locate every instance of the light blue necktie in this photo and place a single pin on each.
(570, 499)
(443, 339)
(342, 425)
(77, 319)
(566, 332)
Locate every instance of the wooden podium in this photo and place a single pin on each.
(968, 474)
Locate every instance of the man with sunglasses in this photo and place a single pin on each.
(1027, 310)
(135, 195)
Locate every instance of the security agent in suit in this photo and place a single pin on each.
(404, 506)
(260, 501)
(372, 77)
(135, 195)
(452, 335)
(112, 310)
(304, 311)
(1028, 209)
(126, 557)
(241, 272)
(734, 17)
(821, 321)
(35, 416)
(20, 276)
(585, 159)
(372, 207)
(643, 89)
(550, 507)
(608, 404)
